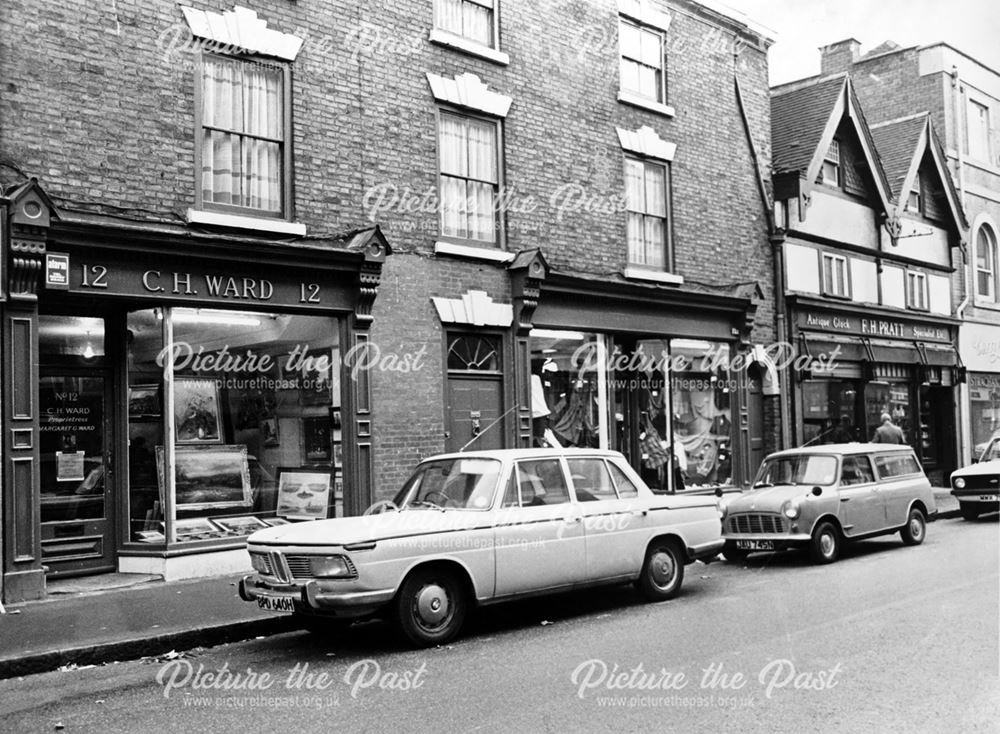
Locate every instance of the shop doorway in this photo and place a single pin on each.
(75, 447)
(474, 410)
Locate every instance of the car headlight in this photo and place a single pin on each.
(790, 509)
(959, 483)
(332, 567)
(259, 564)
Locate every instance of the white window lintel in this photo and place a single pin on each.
(240, 29)
(467, 90)
(646, 142)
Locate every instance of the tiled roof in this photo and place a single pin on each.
(896, 142)
(798, 118)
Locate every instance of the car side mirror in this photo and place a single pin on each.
(817, 491)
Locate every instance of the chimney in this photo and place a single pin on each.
(839, 56)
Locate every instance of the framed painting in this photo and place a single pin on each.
(303, 493)
(144, 401)
(316, 439)
(243, 525)
(196, 411)
(208, 476)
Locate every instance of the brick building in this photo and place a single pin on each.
(962, 97)
(260, 259)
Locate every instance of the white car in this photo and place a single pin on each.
(977, 487)
(482, 527)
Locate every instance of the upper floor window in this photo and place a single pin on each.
(474, 20)
(243, 118)
(914, 201)
(916, 291)
(986, 263)
(469, 178)
(643, 64)
(647, 199)
(979, 131)
(835, 282)
(831, 165)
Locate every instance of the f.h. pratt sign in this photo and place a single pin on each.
(872, 327)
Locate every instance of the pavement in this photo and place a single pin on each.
(124, 617)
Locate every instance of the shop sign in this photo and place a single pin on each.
(57, 270)
(873, 327)
(236, 287)
(979, 345)
(978, 380)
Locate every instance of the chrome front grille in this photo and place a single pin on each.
(756, 522)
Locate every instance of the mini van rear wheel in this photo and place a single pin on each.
(915, 530)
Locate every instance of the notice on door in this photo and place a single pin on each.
(69, 466)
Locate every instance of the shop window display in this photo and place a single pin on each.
(701, 387)
(234, 417)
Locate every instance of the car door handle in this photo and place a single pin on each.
(573, 520)
(845, 499)
(639, 513)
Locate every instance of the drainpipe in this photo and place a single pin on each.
(963, 417)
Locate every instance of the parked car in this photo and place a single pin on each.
(481, 527)
(980, 448)
(820, 496)
(977, 487)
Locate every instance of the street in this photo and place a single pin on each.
(890, 638)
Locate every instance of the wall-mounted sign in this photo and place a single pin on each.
(57, 270)
(239, 285)
(979, 345)
(877, 328)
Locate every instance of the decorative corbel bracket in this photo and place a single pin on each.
(528, 270)
(375, 249)
(30, 214)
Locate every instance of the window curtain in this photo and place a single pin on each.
(468, 178)
(646, 201)
(467, 18)
(242, 110)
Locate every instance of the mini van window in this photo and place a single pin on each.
(896, 465)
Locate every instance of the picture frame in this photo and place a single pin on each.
(207, 476)
(240, 525)
(317, 375)
(303, 493)
(316, 443)
(195, 528)
(144, 401)
(274, 521)
(269, 432)
(197, 415)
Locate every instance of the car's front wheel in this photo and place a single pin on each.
(662, 571)
(825, 544)
(968, 512)
(430, 607)
(915, 529)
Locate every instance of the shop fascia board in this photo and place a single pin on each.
(648, 294)
(868, 310)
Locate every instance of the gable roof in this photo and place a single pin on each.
(902, 144)
(804, 118)
(798, 118)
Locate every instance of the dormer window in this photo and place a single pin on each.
(915, 202)
(830, 174)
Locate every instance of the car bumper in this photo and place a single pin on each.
(706, 551)
(317, 596)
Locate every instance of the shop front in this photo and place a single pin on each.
(979, 344)
(853, 366)
(169, 396)
(650, 372)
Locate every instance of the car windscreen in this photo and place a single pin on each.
(801, 469)
(463, 483)
(992, 451)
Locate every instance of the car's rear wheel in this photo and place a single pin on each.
(968, 512)
(825, 544)
(733, 554)
(915, 530)
(662, 571)
(430, 607)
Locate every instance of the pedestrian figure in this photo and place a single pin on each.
(888, 432)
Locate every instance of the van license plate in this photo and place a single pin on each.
(755, 544)
(276, 603)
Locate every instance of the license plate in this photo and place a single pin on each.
(276, 603)
(988, 498)
(755, 544)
